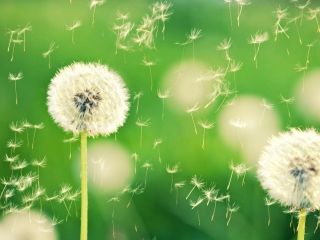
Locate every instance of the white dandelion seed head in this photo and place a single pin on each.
(289, 168)
(88, 97)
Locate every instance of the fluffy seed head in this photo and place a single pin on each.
(289, 168)
(88, 97)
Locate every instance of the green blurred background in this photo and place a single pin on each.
(154, 213)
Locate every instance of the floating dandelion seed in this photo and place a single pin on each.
(197, 203)
(15, 78)
(135, 191)
(269, 201)
(224, 46)
(295, 23)
(141, 124)
(15, 41)
(280, 14)
(13, 144)
(194, 35)
(293, 156)
(16, 128)
(210, 193)
(70, 140)
(114, 200)
(75, 24)
(39, 163)
(229, 5)
(137, 97)
(257, 39)
(26, 125)
(148, 64)
(241, 3)
(313, 14)
(160, 11)
(94, 4)
(218, 199)
(48, 53)
(205, 125)
(177, 186)
(197, 183)
(164, 95)
(11, 33)
(135, 157)
(146, 165)
(35, 127)
(156, 144)
(175, 168)
(232, 209)
(23, 31)
(234, 67)
(238, 123)
(302, 7)
(287, 101)
(240, 170)
(266, 106)
(191, 110)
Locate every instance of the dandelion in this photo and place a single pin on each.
(266, 106)
(161, 11)
(287, 101)
(177, 186)
(16, 128)
(210, 193)
(191, 110)
(235, 67)
(240, 170)
(137, 97)
(257, 39)
(241, 3)
(156, 144)
(135, 191)
(141, 124)
(23, 31)
(15, 41)
(302, 7)
(15, 78)
(13, 144)
(239, 124)
(25, 124)
(94, 4)
(205, 125)
(114, 200)
(269, 201)
(146, 165)
(229, 5)
(91, 100)
(75, 24)
(11, 33)
(52, 47)
(148, 64)
(135, 157)
(280, 14)
(19, 165)
(232, 209)
(164, 95)
(197, 183)
(70, 140)
(197, 203)
(175, 168)
(36, 126)
(39, 163)
(288, 169)
(218, 199)
(295, 23)
(313, 14)
(194, 35)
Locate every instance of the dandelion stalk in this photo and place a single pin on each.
(84, 187)
(302, 223)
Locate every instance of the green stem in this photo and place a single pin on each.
(84, 188)
(302, 223)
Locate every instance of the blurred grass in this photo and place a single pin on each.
(154, 212)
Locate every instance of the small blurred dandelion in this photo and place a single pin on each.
(146, 165)
(240, 4)
(23, 32)
(257, 39)
(191, 110)
(52, 47)
(269, 201)
(141, 124)
(135, 191)
(177, 186)
(231, 209)
(137, 97)
(75, 24)
(288, 169)
(15, 78)
(172, 170)
(240, 170)
(287, 101)
(239, 124)
(266, 106)
(205, 125)
(94, 4)
(15, 41)
(164, 95)
(148, 64)
(71, 140)
(156, 144)
(313, 14)
(197, 183)
(35, 127)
